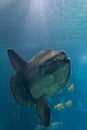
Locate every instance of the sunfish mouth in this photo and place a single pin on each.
(67, 60)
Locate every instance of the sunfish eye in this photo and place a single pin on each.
(55, 59)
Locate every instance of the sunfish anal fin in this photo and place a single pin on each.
(43, 110)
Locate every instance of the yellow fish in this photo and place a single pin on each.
(69, 103)
(71, 88)
(59, 106)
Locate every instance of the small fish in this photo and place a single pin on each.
(71, 88)
(39, 127)
(55, 125)
(59, 106)
(69, 103)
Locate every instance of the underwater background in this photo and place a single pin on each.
(29, 26)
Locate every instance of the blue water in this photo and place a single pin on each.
(29, 26)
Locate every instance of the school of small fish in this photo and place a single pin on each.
(69, 103)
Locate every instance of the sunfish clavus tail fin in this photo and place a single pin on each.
(17, 62)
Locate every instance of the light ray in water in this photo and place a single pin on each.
(37, 7)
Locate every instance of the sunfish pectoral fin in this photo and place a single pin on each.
(17, 62)
(43, 110)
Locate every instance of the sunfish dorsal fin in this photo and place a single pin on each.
(17, 62)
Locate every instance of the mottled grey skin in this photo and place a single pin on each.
(44, 75)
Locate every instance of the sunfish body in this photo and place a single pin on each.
(44, 75)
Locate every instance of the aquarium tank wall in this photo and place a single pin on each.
(28, 27)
